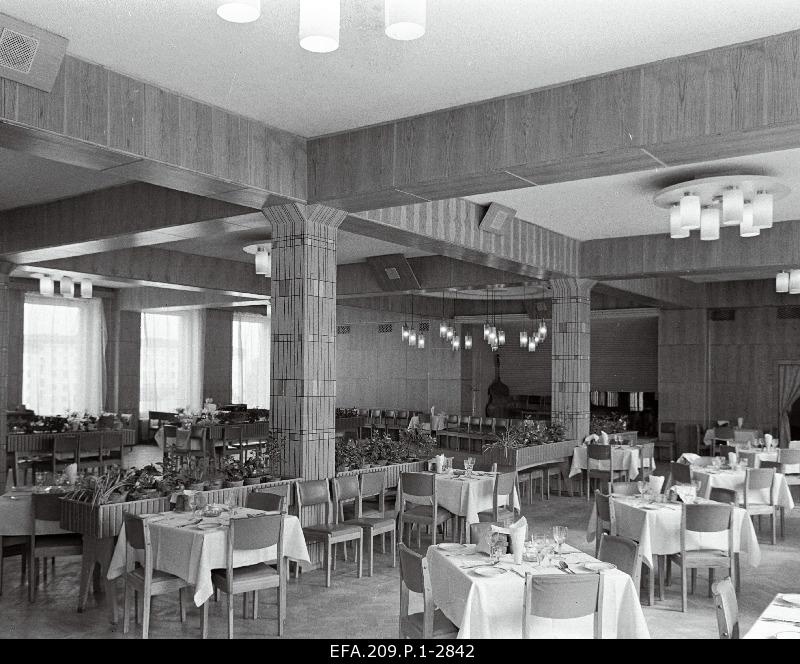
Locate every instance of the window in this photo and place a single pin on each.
(63, 367)
(251, 348)
(171, 361)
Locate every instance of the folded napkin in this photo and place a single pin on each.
(71, 473)
(603, 438)
(768, 441)
(733, 459)
(517, 533)
(685, 492)
(689, 457)
(655, 484)
(480, 536)
(591, 438)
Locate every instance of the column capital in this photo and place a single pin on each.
(297, 217)
(572, 287)
(6, 268)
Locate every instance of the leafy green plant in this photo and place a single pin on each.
(233, 470)
(111, 486)
(614, 423)
(416, 444)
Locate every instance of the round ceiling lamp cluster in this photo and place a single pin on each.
(788, 281)
(320, 20)
(531, 340)
(706, 204)
(66, 286)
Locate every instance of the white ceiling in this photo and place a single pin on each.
(622, 205)
(473, 50)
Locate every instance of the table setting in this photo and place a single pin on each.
(724, 476)
(190, 544)
(780, 620)
(623, 457)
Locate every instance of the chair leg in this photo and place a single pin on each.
(230, 615)
(651, 584)
(244, 606)
(146, 615)
(361, 555)
(684, 600)
(181, 605)
(371, 547)
(126, 610)
(136, 614)
(328, 565)
(419, 536)
(773, 519)
(694, 579)
(204, 621)
(664, 567)
(255, 605)
(394, 549)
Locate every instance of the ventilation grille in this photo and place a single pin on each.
(385, 328)
(17, 51)
(788, 312)
(425, 326)
(342, 329)
(722, 314)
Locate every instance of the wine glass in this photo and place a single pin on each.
(199, 504)
(559, 537)
(230, 503)
(642, 486)
(540, 543)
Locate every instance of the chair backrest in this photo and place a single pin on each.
(680, 473)
(418, 484)
(789, 457)
(46, 507)
(485, 467)
(256, 532)
(452, 420)
(598, 452)
(623, 488)
(622, 552)
(603, 506)
(707, 518)
(363, 412)
(314, 492)
(390, 416)
(261, 500)
(505, 484)
(373, 484)
(345, 489)
(759, 479)
(666, 431)
(560, 597)
(723, 433)
(777, 465)
(725, 450)
(474, 423)
(727, 609)
(478, 532)
(720, 495)
(375, 414)
(750, 458)
(647, 453)
(463, 421)
(500, 424)
(414, 577)
(403, 416)
(137, 531)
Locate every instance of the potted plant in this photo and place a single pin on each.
(234, 475)
(415, 444)
(193, 474)
(255, 468)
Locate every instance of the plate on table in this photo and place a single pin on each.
(787, 635)
(489, 571)
(207, 526)
(598, 566)
(451, 546)
(794, 600)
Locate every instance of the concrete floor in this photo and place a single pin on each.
(368, 607)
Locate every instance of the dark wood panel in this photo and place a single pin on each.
(86, 105)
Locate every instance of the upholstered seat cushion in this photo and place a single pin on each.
(504, 515)
(425, 512)
(376, 523)
(758, 509)
(705, 558)
(249, 576)
(333, 529)
(442, 627)
(158, 576)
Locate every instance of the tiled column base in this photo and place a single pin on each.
(571, 335)
(5, 271)
(303, 359)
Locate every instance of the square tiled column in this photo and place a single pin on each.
(303, 360)
(571, 335)
(5, 271)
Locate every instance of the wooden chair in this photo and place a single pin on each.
(90, 452)
(112, 448)
(704, 518)
(727, 609)
(500, 425)
(595, 456)
(724, 450)
(562, 597)
(317, 493)
(623, 488)
(625, 554)
(350, 488)
(505, 485)
(646, 460)
(65, 452)
(750, 458)
(11, 546)
(606, 521)
(666, 440)
(268, 502)
(146, 580)
(679, 473)
(47, 507)
(726, 496)
(420, 485)
(26, 463)
(761, 480)
(722, 435)
(430, 623)
(247, 534)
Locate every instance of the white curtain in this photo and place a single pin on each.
(171, 361)
(251, 358)
(63, 358)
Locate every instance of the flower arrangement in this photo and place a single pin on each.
(527, 434)
(382, 449)
(614, 423)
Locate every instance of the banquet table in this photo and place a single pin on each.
(466, 497)
(491, 607)
(710, 477)
(657, 528)
(191, 553)
(623, 457)
(780, 616)
(740, 436)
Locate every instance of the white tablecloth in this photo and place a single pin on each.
(658, 530)
(466, 497)
(191, 554)
(491, 608)
(777, 610)
(740, 436)
(734, 479)
(623, 457)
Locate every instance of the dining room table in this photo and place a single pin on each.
(16, 514)
(491, 607)
(623, 458)
(733, 478)
(780, 620)
(190, 546)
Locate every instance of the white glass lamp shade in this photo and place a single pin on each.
(794, 282)
(732, 206)
(523, 339)
(746, 228)
(676, 229)
(67, 287)
(486, 329)
(690, 212)
(239, 11)
(443, 330)
(46, 285)
(782, 282)
(492, 338)
(405, 19)
(319, 25)
(412, 338)
(709, 224)
(86, 289)
(421, 341)
(762, 210)
(405, 332)
(450, 333)
(501, 337)
(264, 261)
(456, 343)
(531, 344)
(543, 330)
(468, 341)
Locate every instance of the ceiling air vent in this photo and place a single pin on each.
(392, 273)
(425, 326)
(30, 55)
(722, 314)
(342, 329)
(385, 328)
(788, 312)
(17, 51)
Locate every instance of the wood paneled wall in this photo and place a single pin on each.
(217, 357)
(625, 354)
(16, 323)
(129, 369)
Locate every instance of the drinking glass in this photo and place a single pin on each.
(642, 486)
(230, 503)
(199, 504)
(540, 543)
(559, 537)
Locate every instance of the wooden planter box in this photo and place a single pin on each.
(220, 496)
(105, 520)
(392, 471)
(534, 455)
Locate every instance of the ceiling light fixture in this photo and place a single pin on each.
(405, 19)
(319, 25)
(67, 287)
(263, 257)
(46, 284)
(86, 289)
(704, 204)
(239, 11)
(782, 282)
(794, 282)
